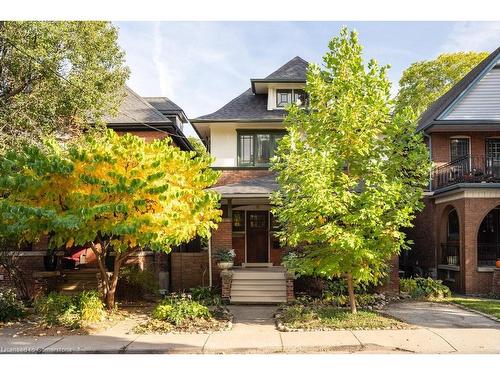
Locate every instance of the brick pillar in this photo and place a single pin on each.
(391, 284)
(290, 295)
(222, 238)
(226, 280)
(495, 288)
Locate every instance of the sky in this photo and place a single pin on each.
(203, 65)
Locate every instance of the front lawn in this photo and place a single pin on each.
(323, 316)
(484, 305)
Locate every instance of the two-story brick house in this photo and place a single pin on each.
(457, 236)
(242, 136)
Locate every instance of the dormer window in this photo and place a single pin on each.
(285, 97)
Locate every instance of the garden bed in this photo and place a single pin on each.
(221, 320)
(321, 315)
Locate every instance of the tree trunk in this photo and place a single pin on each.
(350, 289)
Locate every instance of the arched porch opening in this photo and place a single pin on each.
(450, 238)
(488, 239)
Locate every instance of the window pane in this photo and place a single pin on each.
(283, 97)
(459, 148)
(246, 149)
(263, 148)
(238, 221)
(299, 96)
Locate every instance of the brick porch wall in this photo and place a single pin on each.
(189, 270)
(430, 232)
(222, 238)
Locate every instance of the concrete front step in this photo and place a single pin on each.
(258, 293)
(258, 282)
(237, 286)
(255, 275)
(258, 299)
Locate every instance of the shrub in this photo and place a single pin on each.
(177, 310)
(206, 295)
(70, 311)
(58, 309)
(135, 283)
(10, 306)
(90, 306)
(420, 287)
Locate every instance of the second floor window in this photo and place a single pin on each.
(286, 97)
(255, 149)
(459, 147)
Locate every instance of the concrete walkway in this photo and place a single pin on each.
(254, 332)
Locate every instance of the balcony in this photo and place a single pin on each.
(467, 169)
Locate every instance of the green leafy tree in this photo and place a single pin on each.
(111, 193)
(425, 81)
(350, 175)
(56, 77)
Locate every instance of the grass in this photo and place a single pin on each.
(484, 305)
(304, 317)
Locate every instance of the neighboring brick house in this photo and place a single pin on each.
(136, 115)
(457, 236)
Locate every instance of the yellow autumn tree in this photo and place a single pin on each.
(109, 193)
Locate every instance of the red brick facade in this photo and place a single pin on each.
(430, 226)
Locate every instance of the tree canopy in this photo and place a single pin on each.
(109, 192)
(57, 77)
(350, 176)
(425, 81)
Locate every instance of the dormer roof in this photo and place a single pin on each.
(294, 71)
(473, 102)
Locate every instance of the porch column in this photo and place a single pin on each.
(222, 238)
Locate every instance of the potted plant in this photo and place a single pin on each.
(225, 258)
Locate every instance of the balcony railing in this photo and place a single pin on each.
(469, 168)
(450, 253)
(487, 254)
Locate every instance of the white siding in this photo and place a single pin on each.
(482, 102)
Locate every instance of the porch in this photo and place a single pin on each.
(468, 238)
(249, 228)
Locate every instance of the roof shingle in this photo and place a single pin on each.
(135, 110)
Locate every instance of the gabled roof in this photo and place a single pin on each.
(135, 113)
(432, 115)
(249, 106)
(135, 110)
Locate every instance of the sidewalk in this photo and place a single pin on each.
(254, 332)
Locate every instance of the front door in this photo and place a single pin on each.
(257, 236)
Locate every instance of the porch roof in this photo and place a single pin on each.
(255, 187)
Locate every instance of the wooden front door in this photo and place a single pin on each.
(257, 236)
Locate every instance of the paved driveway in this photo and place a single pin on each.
(438, 315)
